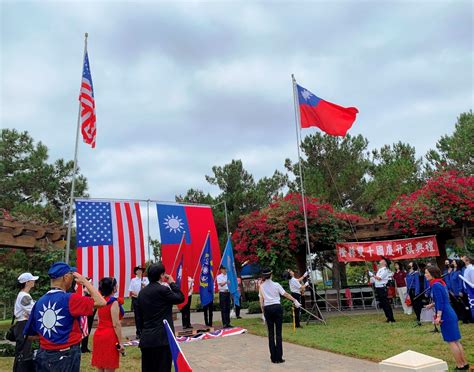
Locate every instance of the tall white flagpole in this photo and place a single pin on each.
(298, 141)
(71, 199)
(305, 215)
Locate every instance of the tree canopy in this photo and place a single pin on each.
(29, 184)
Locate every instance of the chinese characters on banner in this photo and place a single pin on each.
(401, 249)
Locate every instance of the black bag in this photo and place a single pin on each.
(10, 335)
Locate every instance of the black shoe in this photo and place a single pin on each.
(281, 361)
(418, 324)
(239, 317)
(85, 351)
(229, 326)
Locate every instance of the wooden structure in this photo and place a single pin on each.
(30, 235)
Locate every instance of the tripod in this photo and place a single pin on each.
(315, 308)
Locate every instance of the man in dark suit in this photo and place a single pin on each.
(155, 303)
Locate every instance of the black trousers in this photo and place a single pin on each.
(274, 319)
(416, 303)
(208, 309)
(224, 303)
(23, 353)
(186, 314)
(297, 296)
(134, 308)
(156, 359)
(381, 294)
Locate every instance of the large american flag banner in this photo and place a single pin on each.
(109, 241)
(88, 125)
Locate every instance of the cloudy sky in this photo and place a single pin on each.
(183, 86)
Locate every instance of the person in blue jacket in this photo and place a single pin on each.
(445, 316)
(417, 289)
(460, 305)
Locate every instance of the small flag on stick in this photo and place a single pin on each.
(179, 360)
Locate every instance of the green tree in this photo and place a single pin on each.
(455, 152)
(31, 186)
(156, 247)
(331, 165)
(240, 191)
(394, 171)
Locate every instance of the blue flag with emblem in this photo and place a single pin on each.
(229, 263)
(206, 279)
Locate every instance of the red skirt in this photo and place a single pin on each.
(104, 351)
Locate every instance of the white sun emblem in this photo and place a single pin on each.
(306, 94)
(173, 223)
(50, 319)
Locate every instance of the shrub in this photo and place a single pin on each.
(254, 308)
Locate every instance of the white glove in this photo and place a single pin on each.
(305, 274)
(297, 304)
(263, 318)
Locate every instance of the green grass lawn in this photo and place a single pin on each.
(369, 337)
(364, 336)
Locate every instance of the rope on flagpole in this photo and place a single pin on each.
(73, 182)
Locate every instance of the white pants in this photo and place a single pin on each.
(402, 293)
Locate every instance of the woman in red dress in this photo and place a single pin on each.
(108, 335)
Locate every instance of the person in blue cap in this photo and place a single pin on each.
(55, 320)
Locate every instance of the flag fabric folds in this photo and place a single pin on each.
(109, 241)
(329, 117)
(196, 221)
(229, 263)
(86, 98)
(206, 277)
(179, 360)
(182, 279)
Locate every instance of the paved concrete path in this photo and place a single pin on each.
(250, 353)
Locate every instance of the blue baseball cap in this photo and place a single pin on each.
(59, 269)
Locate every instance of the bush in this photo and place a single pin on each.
(287, 311)
(254, 308)
(251, 296)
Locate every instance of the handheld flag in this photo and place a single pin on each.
(179, 360)
(182, 281)
(206, 278)
(330, 118)
(229, 263)
(86, 98)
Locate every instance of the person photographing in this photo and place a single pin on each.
(270, 294)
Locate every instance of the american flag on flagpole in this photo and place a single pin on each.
(109, 241)
(88, 124)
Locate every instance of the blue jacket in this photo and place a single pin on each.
(456, 282)
(447, 279)
(413, 282)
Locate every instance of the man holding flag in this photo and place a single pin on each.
(206, 283)
(232, 281)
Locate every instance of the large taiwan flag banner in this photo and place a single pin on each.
(196, 220)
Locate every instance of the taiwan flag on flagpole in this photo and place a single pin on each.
(182, 279)
(179, 360)
(332, 119)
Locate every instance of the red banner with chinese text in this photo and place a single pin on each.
(400, 249)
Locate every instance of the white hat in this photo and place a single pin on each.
(26, 277)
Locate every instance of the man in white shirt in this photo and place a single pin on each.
(136, 285)
(380, 282)
(296, 289)
(186, 310)
(224, 297)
